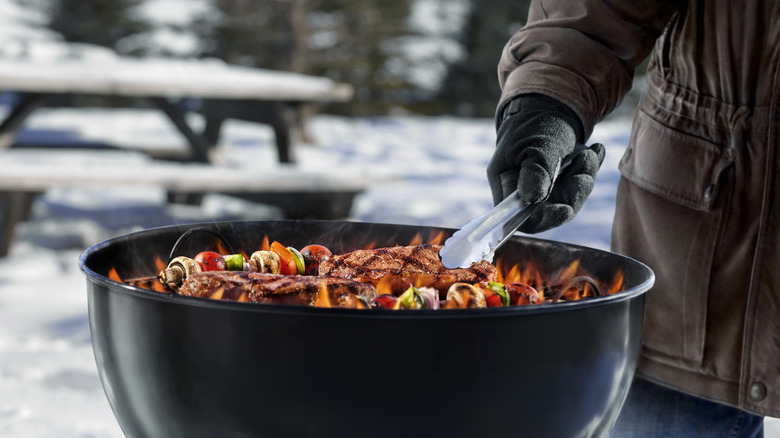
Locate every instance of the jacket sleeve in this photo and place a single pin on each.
(581, 52)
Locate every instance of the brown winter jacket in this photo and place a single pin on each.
(697, 201)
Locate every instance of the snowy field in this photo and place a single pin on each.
(48, 380)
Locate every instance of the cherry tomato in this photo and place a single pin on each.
(286, 258)
(521, 293)
(211, 261)
(317, 251)
(386, 301)
(312, 256)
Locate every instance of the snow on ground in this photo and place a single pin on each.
(48, 379)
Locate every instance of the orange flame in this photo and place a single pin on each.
(221, 248)
(422, 279)
(159, 264)
(527, 273)
(217, 294)
(436, 238)
(551, 284)
(617, 283)
(323, 298)
(159, 287)
(113, 275)
(265, 245)
(570, 272)
(385, 285)
(573, 294)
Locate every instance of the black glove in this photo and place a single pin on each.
(535, 133)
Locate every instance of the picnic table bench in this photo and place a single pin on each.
(226, 91)
(26, 173)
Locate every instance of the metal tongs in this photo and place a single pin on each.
(481, 237)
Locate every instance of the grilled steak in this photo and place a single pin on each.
(279, 289)
(401, 266)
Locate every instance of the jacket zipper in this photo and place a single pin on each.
(754, 289)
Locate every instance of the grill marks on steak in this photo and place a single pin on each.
(279, 289)
(348, 280)
(401, 266)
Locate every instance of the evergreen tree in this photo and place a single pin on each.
(359, 43)
(99, 22)
(471, 86)
(346, 40)
(257, 33)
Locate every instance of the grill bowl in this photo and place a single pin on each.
(179, 366)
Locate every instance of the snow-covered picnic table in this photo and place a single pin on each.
(298, 193)
(226, 91)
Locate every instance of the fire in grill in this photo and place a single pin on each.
(400, 277)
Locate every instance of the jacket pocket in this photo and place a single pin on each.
(667, 216)
(680, 167)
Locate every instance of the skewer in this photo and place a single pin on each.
(141, 280)
(182, 267)
(149, 283)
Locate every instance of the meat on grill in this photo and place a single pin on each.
(401, 266)
(279, 289)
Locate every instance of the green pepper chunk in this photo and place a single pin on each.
(300, 265)
(500, 290)
(234, 262)
(411, 299)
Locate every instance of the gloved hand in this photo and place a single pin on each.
(535, 133)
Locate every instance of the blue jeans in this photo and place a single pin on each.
(654, 411)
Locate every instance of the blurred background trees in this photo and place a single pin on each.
(421, 56)
(470, 87)
(100, 22)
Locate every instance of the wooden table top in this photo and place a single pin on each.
(124, 76)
